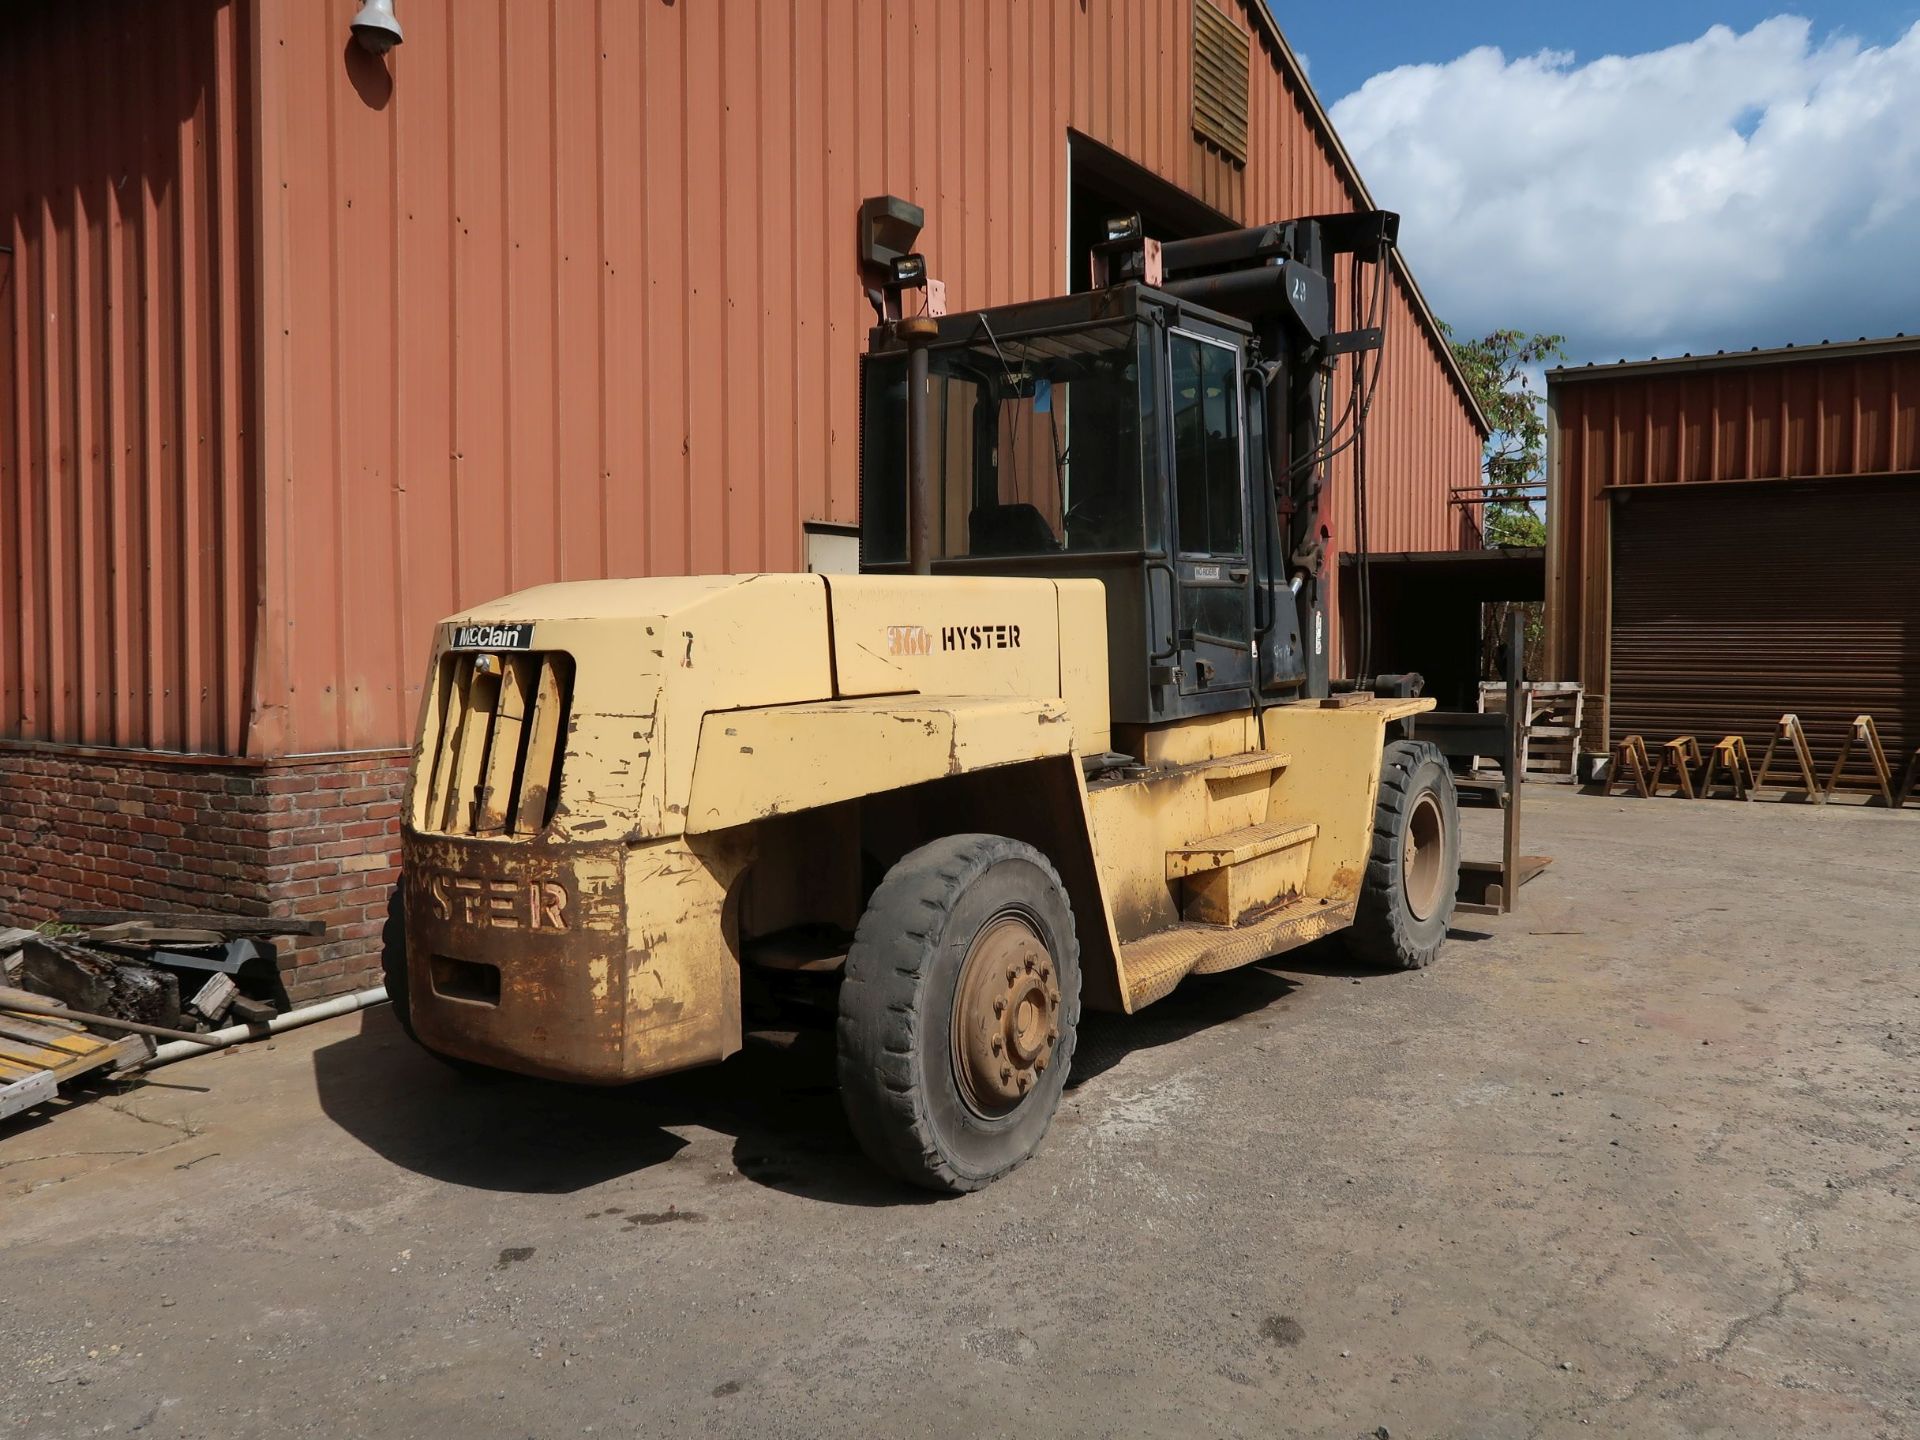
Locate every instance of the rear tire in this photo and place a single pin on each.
(1413, 868)
(958, 1012)
(393, 960)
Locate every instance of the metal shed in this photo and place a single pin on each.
(1737, 536)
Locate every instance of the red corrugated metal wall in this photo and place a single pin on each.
(1805, 419)
(559, 288)
(1816, 416)
(573, 291)
(127, 500)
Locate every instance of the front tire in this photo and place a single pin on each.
(958, 1012)
(1413, 868)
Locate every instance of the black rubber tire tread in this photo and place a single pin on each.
(886, 1015)
(1384, 932)
(393, 960)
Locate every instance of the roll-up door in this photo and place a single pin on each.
(1735, 604)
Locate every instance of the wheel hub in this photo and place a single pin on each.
(1006, 1015)
(1421, 856)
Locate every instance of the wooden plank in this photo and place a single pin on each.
(68, 1067)
(235, 925)
(47, 1037)
(128, 1051)
(114, 1022)
(27, 1091)
(11, 995)
(32, 1054)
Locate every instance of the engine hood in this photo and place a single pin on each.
(649, 659)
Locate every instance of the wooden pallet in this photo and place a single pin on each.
(38, 1053)
(1550, 741)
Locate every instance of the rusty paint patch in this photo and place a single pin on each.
(549, 919)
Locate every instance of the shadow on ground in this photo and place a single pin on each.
(778, 1098)
(1200, 1003)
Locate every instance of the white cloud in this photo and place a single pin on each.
(1737, 190)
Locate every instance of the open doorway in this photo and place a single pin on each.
(1430, 613)
(1103, 184)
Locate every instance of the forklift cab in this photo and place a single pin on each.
(1117, 435)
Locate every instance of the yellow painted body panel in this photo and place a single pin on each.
(951, 635)
(1083, 663)
(1213, 781)
(613, 961)
(683, 978)
(755, 764)
(1337, 782)
(651, 659)
(1178, 800)
(961, 635)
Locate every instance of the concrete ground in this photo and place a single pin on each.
(1637, 1160)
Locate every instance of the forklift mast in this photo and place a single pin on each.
(1279, 278)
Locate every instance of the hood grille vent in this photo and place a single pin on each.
(493, 768)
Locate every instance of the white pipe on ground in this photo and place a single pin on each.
(292, 1020)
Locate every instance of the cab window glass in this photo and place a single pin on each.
(1205, 408)
(1034, 446)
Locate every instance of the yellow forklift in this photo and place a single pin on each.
(1067, 739)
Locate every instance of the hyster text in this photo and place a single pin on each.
(979, 637)
(500, 904)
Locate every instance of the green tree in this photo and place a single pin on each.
(1498, 369)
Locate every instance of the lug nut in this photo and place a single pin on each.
(996, 1044)
(1024, 1082)
(1012, 975)
(1041, 1064)
(1046, 972)
(1052, 1034)
(1029, 964)
(1006, 1073)
(1000, 1006)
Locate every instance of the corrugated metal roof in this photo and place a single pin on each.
(1735, 359)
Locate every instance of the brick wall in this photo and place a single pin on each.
(312, 837)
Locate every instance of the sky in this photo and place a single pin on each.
(1642, 178)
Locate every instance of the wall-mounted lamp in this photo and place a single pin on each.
(376, 28)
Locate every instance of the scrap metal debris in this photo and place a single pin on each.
(88, 997)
